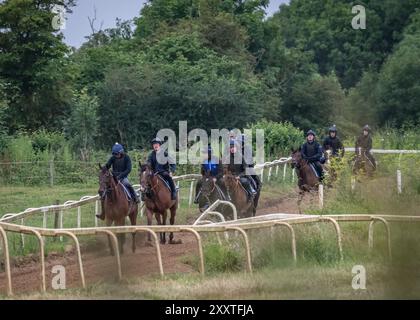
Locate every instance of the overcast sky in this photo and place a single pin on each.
(77, 25)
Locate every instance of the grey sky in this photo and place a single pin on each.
(77, 25)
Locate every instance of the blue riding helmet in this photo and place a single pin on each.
(117, 149)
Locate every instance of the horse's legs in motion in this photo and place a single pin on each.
(121, 236)
(149, 215)
(164, 217)
(172, 222)
(159, 222)
(133, 221)
(108, 223)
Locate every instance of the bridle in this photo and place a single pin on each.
(108, 188)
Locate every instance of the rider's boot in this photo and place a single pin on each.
(102, 215)
(173, 195)
(133, 194)
(196, 198)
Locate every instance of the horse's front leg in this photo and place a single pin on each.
(159, 222)
(172, 222)
(133, 220)
(149, 215)
(108, 223)
(164, 217)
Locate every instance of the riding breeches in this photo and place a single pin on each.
(129, 187)
(165, 175)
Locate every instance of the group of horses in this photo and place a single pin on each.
(309, 181)
(117, 205)
(157, 202)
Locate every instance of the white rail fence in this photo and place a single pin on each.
(239, 227)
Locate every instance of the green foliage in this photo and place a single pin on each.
(221, 259)
(399, 84)
(82, 126)
(279, 137)
(32, 61)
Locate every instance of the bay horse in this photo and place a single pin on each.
(116, 205)
(308, 181)
(158, 201)
(238, 195)
(362, 164)
(210, 192)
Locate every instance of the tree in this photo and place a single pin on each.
(31, 51)
(399, 84)
(82, 126)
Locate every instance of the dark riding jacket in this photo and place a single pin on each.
(157, 167)
(335, 145)
(237, 169)
(364, 142)
(121, 167)
(311, 151)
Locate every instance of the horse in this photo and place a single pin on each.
(362, 164)
(210, 192)
(158, 201)
(238, 195)
(116, 205)
(307, 179)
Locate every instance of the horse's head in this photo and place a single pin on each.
(229, 179)
(105, 181)
(296, 158)
(208, 185)
(145, 174)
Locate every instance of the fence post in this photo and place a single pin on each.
(191, 193)
(56, 217)
(321, 196)
(399, 182)
(284, 171)
(51, 173)
(179, 195)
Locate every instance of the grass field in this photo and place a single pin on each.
(319, 273)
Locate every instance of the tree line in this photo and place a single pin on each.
(214, 63)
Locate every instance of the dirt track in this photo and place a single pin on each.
(100, 266)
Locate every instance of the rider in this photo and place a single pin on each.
(247, 154)
(121, 168)
(333, 143)
(165, 167)
(312, 152)
(211, 166)
(364, 142)
(239, 169)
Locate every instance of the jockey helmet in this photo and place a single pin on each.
(366, 128)
(311, 132)
(157, 140)
(332, 129)
(117, 148)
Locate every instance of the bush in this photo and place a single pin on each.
(279, 137)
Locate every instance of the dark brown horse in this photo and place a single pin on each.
(238, 195)
(210, 192)
(116, 205)
(307, 179)
(158, 201)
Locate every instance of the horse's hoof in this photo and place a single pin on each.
(179, 241)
